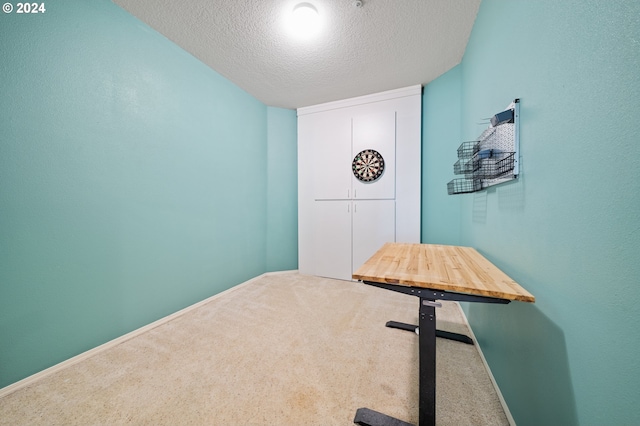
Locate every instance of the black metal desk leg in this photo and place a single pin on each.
(427, 343)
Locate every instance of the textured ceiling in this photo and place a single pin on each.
(383, 45)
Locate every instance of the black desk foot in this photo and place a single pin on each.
(454, 336)
(402, 326)
(439, 333)
(367, 417)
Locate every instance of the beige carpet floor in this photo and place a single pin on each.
(282, 349)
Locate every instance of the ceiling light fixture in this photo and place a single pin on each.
(304, 21)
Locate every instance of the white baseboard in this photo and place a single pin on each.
(512, 422)
(91, 352)
(291, 271)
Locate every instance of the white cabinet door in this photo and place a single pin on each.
(376, 131)
(331, 162)
(374, 223)
(332, 239)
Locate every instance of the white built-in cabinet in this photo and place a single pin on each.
(342, 221)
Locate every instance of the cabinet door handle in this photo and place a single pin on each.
(355, 208)
(347, 193)
(354, 194)
(348, 210)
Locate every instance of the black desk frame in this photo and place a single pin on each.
(427, 334)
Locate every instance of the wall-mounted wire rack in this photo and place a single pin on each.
(491, 159)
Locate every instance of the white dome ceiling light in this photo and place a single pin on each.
(304, 22)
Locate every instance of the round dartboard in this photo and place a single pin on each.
(368, 165)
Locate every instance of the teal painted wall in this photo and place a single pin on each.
(133, 182)
(569, 229)
(441, 136)
(282, 195)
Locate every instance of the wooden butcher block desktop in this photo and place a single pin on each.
(440, 267)
(433, 272)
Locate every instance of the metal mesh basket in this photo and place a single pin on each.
(468, 149)
(497, 165)
(465, 166)
(462, 186)
(506, 164)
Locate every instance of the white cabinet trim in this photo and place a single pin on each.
(376, 97)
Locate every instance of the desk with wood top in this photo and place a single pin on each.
(433, 272)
